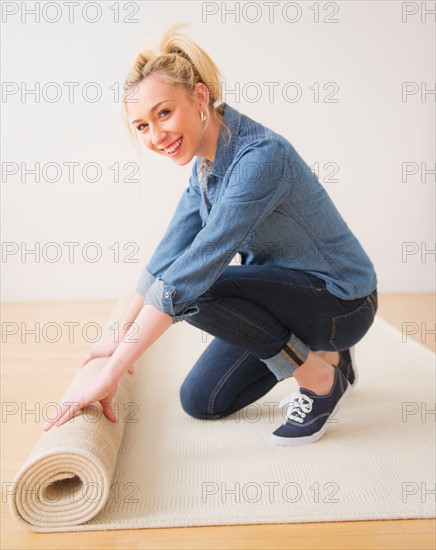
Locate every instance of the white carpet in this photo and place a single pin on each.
(158, 467)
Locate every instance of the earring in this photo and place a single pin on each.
(202, 116)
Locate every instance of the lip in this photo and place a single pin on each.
(169, 145)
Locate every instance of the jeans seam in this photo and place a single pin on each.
(367, 304)
(372, 301)
(235, 312)
(223, 380)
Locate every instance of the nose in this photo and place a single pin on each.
(157, 136)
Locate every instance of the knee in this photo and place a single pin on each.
(198, 403)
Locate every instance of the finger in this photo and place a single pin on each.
(108, 411)
(68, 411)
(47, 426)
(85, 359)
(50, 423)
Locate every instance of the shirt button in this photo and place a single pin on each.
(167, 294)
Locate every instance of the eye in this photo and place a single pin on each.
(140, 127)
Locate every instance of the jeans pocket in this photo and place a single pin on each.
(349, 328)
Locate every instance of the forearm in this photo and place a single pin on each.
(131, 314)
(149, 325)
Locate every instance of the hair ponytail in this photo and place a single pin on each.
(181, 62)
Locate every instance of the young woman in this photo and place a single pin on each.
(305, 290)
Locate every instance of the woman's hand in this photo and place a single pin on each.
(106, 349)
(101, 388)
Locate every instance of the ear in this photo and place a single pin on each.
(201, 93)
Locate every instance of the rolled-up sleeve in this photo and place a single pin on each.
(256, 186)
(145, 281)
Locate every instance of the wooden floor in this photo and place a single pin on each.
(45, 369)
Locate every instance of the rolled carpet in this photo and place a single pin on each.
(66, 479)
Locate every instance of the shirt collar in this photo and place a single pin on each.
(225, 150)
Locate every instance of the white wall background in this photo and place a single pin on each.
(368, 133)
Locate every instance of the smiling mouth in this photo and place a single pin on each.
(173, 147)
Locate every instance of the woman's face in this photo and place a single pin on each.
(166, 119)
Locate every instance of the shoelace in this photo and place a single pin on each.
(299, 406)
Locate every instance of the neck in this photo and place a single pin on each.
(209, 139)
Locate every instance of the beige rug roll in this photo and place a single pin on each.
(158, 467)
(67, 477)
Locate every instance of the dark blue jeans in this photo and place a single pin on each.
(265, 319)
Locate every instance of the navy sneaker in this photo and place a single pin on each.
(308, 413)
(347, 365)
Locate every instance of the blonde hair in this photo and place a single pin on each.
(179, 61)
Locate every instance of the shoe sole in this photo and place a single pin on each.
(292, 441)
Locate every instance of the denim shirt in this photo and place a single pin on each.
(261, 200)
